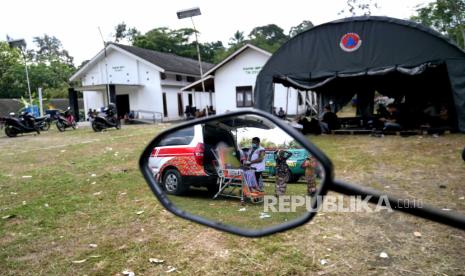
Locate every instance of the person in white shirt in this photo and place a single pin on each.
(256, 160)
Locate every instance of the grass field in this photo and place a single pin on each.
(74, 203)
(228, 210)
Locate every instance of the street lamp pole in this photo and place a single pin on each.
(28, 82)
(21, 45)
(191, 13)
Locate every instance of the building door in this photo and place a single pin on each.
(180, 109)
(165, 106)
(122, 105)
(190, 100)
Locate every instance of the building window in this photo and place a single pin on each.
(190, 79)
(244, 96)
(163, 76)
(178, 77)
(300, 98)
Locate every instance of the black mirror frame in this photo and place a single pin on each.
(163, 199)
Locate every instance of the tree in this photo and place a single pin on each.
(50, 49)
(359, 7)
(178, 42)
(237, 39)
(302, 27)
(446, 16)
(50, 66)
(269, 37)
(211, 51)
(122, 32)
(10, 62)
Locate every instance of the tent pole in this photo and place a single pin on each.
(297, 103)
(287, 100)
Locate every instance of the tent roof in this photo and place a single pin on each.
(316, 53)
(358, 46)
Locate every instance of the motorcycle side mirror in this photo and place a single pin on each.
(214, 171)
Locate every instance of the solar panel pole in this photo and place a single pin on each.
(191, 13)
(21, 45)
(106, 66)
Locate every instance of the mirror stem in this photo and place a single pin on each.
(399, 204)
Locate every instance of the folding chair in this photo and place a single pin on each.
(233, 183)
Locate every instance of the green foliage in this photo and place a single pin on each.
(125, 33)
(302, 27)
(180, 42)
(446, 16)
(50, 50)
(35, 101)
(50, 67)
(358, 7)
(10, 66)
(237, 39)
(269, 37)
(247, 142)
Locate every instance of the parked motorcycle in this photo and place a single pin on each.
(43, 122)
(25, 123)
(65, 120)
(110, 119)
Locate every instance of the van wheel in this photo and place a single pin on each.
(172, 183)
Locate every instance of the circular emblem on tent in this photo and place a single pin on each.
(350, 42)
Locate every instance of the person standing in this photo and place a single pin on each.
(309, 165)
(256, 160)
(282, 171)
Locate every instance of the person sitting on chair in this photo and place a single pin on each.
(281, 113)
(391, 121)
(329, 120)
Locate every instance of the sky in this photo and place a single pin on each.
(76, 23)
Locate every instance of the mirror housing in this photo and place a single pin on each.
(163, 198)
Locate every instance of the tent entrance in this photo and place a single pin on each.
(418, 93)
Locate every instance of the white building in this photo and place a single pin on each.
(145, 81)
(233, 81)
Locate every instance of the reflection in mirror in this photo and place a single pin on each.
(243, 171)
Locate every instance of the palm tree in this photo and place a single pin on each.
(238, 38)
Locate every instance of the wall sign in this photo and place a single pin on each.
(350, 42)
(252, 70)
(117, 68)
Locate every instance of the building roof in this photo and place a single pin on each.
(197, 85)
(208, 76)
(169, 62)
(236, 53)
(164, 62)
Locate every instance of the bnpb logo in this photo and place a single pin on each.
(350, 42)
